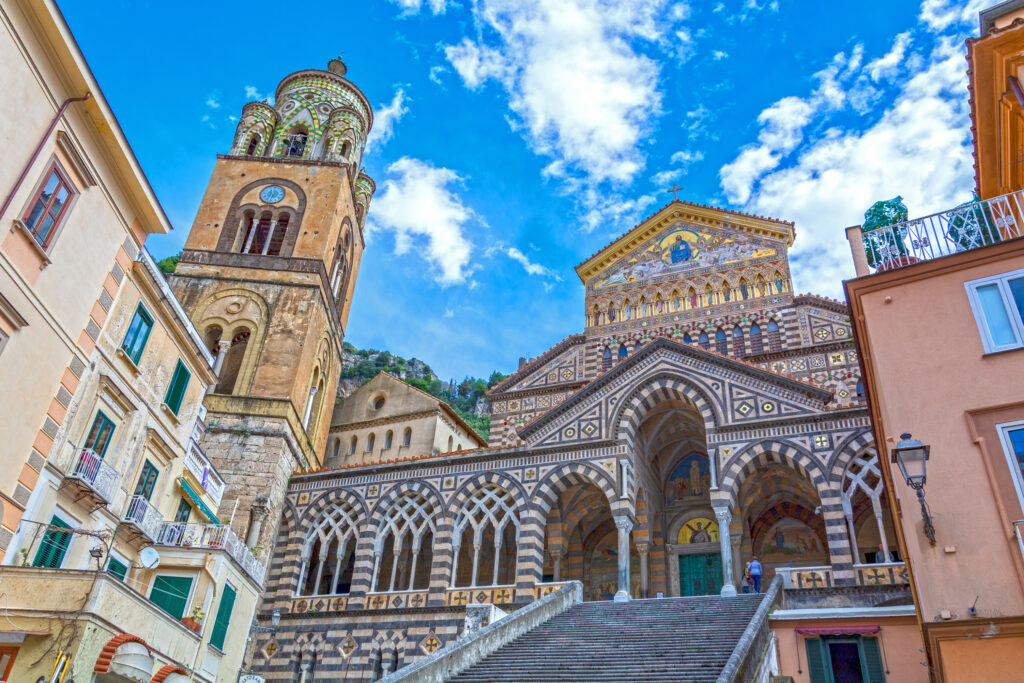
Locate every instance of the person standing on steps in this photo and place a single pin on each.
(755, 573)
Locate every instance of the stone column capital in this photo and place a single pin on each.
(624, 524)
(260, 507)
(556, 553)
(643, 548)
(724, 515)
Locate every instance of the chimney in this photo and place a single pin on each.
(522, 362)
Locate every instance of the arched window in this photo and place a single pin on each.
(687, 339)
(691, 297)
(642, 310)
(677, 302)
(451, 442)
(721, 345)
(254, 143)
(597, 316)
(780, 284)
(403, 549)
(623, 352)
(485, 539)
(703, 341)
(328, 553)
(627, 310)
(369, 442)
(314, 387)
(458, 447)
(295, 144)
(637, 345)
(726, 292)
(762, 289)
(756, 343)
(388, 438)
(352, 446)
(211, 338)
(744, 289)
(232, 363)
(774, 337)
(255, 235)
(277, 234)
(739, 348)
(709, 296)
(407, 436)
(337, 447)
(346, 148)
(860, 389)
(611, 313)
(606, 360)
(659, 305)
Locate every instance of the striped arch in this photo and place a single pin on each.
(785, 510)
(383, 506)
(555, 482)
(765, 453)
(471, 486)
(320, 504)
(663, 386)
(846, 452)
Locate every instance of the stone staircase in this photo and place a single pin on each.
(653, 641)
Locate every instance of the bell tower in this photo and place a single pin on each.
(267, 276)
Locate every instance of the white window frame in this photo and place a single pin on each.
(123, 559)
(182, 573)
(1017, 325)
(1004, 430)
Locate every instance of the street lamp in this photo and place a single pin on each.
(912, 457)
(275, 617)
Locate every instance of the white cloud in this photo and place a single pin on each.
(529, 266)
(579, 91)
(887, 65)
(449, 313)
(686, 157)
(695, 122)
(410, 7)
(253, 93)
(666, 177)
(719, 55)
(384, 120)
(435, 74)
(417, 204)
(939, 14)
(211, 100)
(919, 148)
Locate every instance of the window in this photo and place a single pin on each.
(998, 305)
(138, 332)
(774, 336)
(295, 145)
(378, 403)
(687, 339)
(170, 593)
(54, 545)
(99, 434)
(606, 360)
(7, 656)
(184, 511)
(756, 343)
(176, 389)
(352, 447)
(860, 389)
(721, 344)
(703, 341)
(147, 481)
(369, 442)
(451, 443)
(337, 448)
(739, 348)
(117, 568)
(220, 624)
(1012, 436)
(48, 206)
(844, 660)
(623, 352)
(388, 438)
(407, 436)
(254, 143)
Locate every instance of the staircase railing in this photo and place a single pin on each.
(464, 653)
(744, 662)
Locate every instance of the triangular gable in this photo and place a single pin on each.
(730, 392)
(560, 364)
(696, 215)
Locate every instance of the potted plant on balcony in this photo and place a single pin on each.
(971, 225)
(884, 233)
(195, 622)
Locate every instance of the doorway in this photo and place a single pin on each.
(700, 574)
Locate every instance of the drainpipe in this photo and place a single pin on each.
(39, 148)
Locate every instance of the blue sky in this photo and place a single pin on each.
(514, 138)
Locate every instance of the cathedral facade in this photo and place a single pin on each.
(706, 414)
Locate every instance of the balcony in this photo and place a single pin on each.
(205, 474)
(882, 574)
(91, 479)
(963, 228)
(213, 537)
(141, 520)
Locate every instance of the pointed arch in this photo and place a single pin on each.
(721, 343)
(649, 392)
(558, 480)
(763, 453)
(739, 346)
(703, 341)
(774, 336)
(756, 342)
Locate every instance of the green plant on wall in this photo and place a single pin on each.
(884, 231)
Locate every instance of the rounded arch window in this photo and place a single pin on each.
(378, 402)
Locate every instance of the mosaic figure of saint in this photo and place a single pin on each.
(700, 533)
(680, 251)
(696, 481)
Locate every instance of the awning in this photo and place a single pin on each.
(206, 511)
(839, 631)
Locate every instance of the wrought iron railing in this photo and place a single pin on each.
(143, 515)
(212, 536)
(966, 227)
(204, 471)
(89, 468)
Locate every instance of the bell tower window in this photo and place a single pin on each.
(254, 143)
(295, 144)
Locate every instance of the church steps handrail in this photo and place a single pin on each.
(464, 653)
(744, 662)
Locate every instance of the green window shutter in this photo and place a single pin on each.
(871, 660)
(99, 434)
(176, 389)
(147, 481)
(138, 333)
(220, 626)
(117, 568)
(817, 668)
(184, 511)
(53, 546)
(170, 593)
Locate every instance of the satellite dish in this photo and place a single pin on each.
(149, 558)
